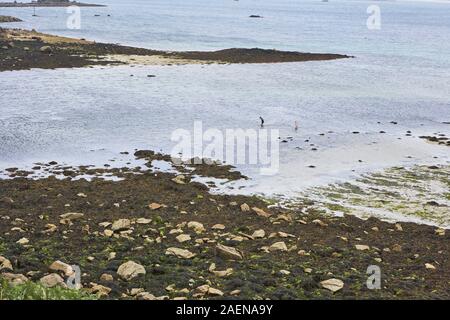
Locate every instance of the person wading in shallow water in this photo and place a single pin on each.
(295, 125)
(262, 122)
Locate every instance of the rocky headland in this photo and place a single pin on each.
(22, 49)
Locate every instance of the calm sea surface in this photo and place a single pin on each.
(87, 116)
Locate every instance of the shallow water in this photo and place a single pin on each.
(87, 116)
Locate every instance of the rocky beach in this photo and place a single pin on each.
(148, 234)
(94, 206)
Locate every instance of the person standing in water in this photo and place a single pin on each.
(295, 125)
(262, 121)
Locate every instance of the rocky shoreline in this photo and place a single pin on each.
(23, 49)
(158, 235)
(47, 4)
(7, 19)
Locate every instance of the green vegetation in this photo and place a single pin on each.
(34, 291)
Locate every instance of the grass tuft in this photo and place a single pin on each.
(35, 291)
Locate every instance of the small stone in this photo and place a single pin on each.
(258, 234)
(170, 288)
(50, 228)
(5, 264)
(180, 179)
(46, 49)
(206, 289)
(202, 289)
(430, 266)
(319, 223)
(228, 252)
(145, 296)
(440, 232)
(196, 226)
(180, 253)
(398, 226)
(237, 238)
(362, 247)
(220, 273)
(130, 270)
(175, 231)
(375, 229)
(143, 221)
(52, 280)
(235, 292)
(121, 224)
(307, 270)
(23, 241)
(183, 238)
(245, 207)
(278, 246)
(14, 279)
(218, 227)
(333, 285)
(63, 267)
(136, 291)
(261, 212)
(302, 253)
(285, 272)
(215, 292)
(155, 206)
(99, 290)
(108, 232)
(285, 235)
(70, 216)
(106, 277)
(397, 248)
(105, 224)
(81, 195)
